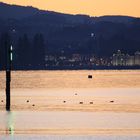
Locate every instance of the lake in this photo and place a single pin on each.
(69, 105)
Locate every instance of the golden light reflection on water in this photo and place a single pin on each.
(113, 92)
(64, 90)
(73, 79)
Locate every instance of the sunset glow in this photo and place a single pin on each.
(89, 7)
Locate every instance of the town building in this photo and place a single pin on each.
(137, 58)
(130, 61)
(118, 59)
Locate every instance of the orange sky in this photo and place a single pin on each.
(90, 7)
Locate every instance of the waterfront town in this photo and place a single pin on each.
(117, 59)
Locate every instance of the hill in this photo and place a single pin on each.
(82, 34)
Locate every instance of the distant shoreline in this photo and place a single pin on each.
(80, 68)
(95, 68)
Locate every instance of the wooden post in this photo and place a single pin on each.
(8, 78)
(8, 74)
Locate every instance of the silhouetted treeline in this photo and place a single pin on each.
(30, 51)
(27, 53)
(4, 45)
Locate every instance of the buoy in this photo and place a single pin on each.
(111, 101)
(80, 102)
(90, 76)
(91, 102)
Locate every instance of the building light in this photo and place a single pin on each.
(92, 34)
(13, 30)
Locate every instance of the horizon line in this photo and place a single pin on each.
(74, 14)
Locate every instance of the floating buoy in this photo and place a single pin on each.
(80, 102)
(91, 102)
(90, 76)
(111, 101)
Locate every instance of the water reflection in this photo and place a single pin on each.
(10, 117)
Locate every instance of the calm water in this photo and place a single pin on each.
(72, 79)
(68, 103)
(23, 137)
(69, 122)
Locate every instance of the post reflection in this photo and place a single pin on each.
(10, 123)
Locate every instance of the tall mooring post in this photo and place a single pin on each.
(8, 74)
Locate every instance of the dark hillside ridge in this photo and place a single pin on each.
(67, 34)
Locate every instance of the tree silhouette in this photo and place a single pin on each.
(4, 45)
(38, 51)
(24, 52)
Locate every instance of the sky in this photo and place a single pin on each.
(89, 7)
